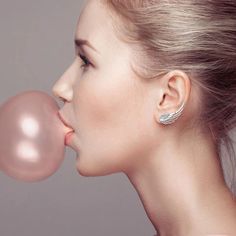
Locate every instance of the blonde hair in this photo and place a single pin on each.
(196, 36)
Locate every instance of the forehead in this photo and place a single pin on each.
(94, 24)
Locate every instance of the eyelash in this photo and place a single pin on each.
(85, 60)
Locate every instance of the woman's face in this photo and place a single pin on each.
(106, 103)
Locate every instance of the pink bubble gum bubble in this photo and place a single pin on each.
(31, 136)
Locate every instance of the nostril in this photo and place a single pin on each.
(63, 99)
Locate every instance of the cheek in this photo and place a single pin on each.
(103, 105)
(110, 114)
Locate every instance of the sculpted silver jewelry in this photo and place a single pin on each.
(170, 118)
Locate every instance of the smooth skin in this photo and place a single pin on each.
(115, 115)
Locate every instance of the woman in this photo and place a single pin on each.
(151, 93)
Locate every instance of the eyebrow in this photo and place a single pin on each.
(82, 42)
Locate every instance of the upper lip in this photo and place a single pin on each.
(64, 121)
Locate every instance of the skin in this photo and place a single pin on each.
(115, 115)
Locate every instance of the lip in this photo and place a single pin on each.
(64, 122)
(68, 137)
(68, 133)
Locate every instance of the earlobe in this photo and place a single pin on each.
(170, 118)
(176, 89)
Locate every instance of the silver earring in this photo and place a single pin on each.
(171, 117)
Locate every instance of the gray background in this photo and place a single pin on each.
(36, 46)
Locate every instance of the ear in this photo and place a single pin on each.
(175, 89)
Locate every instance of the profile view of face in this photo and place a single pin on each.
(105, 102)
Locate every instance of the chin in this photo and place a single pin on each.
(83, 173)
(80, 170)
(92, 172)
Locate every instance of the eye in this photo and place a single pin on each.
(85, 60)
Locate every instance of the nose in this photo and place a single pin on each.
(62, 89)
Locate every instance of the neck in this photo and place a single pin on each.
(182, 188)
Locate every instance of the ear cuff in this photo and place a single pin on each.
(170, 118)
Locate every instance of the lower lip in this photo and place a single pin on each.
(68, 137)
